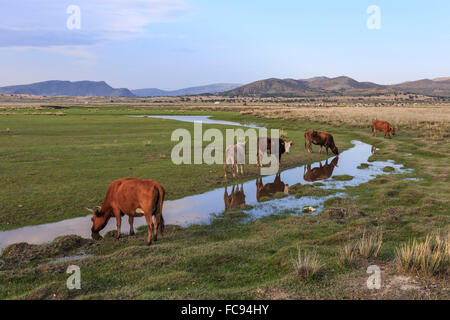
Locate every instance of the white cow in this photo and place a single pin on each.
(235, 155)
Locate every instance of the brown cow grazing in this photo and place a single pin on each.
(323, 139)
(270, 189)
(134, 197)
(383, 126)
(321, 172)
(235, 199)
(283, 147)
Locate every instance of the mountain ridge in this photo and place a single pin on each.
(342, 85)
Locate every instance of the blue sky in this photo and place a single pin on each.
(172, 44)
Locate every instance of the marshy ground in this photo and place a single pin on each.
(53, 166)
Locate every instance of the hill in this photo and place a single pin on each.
(68, 88)
(212, 88)
(324, 86)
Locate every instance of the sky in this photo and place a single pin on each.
(172, 44)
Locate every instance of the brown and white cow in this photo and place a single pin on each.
(134, 197)
(384, 126)
(283, 147)
(322, 139)
(321, 172)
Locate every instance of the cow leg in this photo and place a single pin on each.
(320, 151)
(118, 222)
(130, 220)
(148, 219)
(374, 132)
(242, 169)
(155, 228)
(309, 147)
(225, 168)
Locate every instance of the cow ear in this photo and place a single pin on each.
(292, 143)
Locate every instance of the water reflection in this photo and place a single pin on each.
(269, 190)
(321, 172)
(235, 199)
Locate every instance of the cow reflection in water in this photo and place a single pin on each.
(320, 173)
(235, 199)
(269, 189)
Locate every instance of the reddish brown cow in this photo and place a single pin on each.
(235, 199)
(383, 126)
(269, 189)
(323, 139)
(321, 172)
(134, 197)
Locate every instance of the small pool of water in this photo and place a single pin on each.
(203, 119)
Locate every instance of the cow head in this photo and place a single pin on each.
(99, 220)
(335, 150)
(288, 145)
(392, 130)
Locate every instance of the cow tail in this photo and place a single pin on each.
(159, 215)
(305, 139)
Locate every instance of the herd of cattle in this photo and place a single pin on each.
(136, 197)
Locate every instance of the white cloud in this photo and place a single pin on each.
(42, 23)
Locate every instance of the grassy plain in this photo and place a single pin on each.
(54, 166)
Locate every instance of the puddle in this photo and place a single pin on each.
(413, 179)
(201, 208)
(204, 119)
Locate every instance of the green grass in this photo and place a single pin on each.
(74, 160)
(343, 177)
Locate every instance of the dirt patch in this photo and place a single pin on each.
(61, 246)
(342, 213)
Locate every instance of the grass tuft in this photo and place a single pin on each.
(307, 265)
(370, 244)
(428, 258)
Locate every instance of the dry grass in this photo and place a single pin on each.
(370, 244)
(368, 247)
(307, 265)
(348, 255)
(428, 258)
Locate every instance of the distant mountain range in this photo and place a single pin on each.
(318, 86)
(68, 88)
(212, 88)
(324, 86)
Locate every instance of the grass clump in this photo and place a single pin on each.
(343, 177)
(363, 166)
(348, 255)
(367, 247)
(370, 244)
(428, 258)
(280, 195)
(388, 169)
(307, 265)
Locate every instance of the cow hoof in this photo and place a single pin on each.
(132, 233)
(149, 243)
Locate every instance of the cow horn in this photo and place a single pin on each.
(98, 207)
(90, 210)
